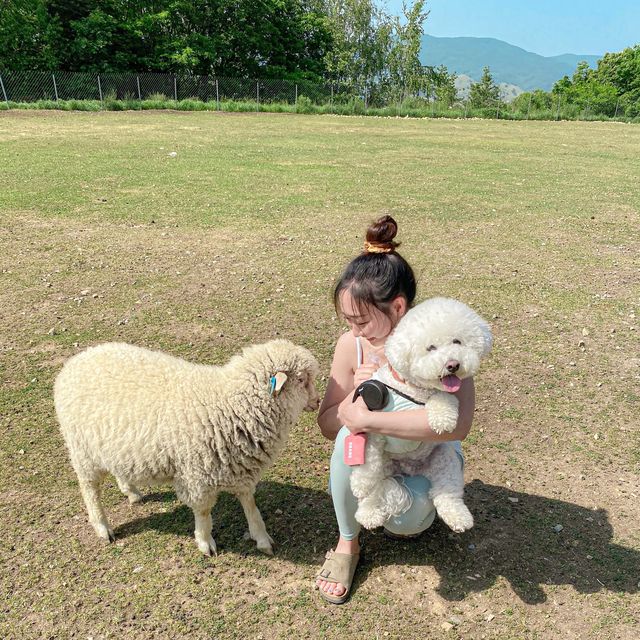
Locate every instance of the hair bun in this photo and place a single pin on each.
(380, 235)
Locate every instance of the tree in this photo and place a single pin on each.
(445, 85)
(360, 35)
(405, 71)
(26, 36)
(246, 38)
(484, 93)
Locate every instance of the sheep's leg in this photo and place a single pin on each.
(129, 490)
(90, 489)
(204, 524)
(257, 530)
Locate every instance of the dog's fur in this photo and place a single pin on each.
(434, 339)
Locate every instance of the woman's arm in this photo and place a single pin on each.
(412, 424)
(339, 386)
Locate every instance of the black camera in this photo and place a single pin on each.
(374, 393)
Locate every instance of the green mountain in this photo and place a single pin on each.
(508, 64)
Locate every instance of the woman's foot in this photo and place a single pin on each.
(336, 590)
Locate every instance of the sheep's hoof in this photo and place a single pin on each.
(134, 498)
(105, 532)
(266, 547)
(208, 547)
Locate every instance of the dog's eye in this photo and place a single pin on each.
(431, 347)
(456, 341)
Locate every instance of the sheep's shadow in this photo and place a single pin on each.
(515, 536)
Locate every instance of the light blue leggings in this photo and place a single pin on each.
(416, 519)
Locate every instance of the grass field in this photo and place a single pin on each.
(238, 238)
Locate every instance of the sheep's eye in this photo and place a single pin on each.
(456, 341)
(431, 347)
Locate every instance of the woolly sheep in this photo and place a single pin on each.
(147, 417)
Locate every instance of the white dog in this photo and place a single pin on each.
(435, 346)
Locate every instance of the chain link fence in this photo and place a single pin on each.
(36, 86)
(32, 86)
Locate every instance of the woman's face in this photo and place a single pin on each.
(368, 321)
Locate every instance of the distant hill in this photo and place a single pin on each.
(508, 92)
(509, 64)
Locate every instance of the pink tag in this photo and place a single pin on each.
(354, 449)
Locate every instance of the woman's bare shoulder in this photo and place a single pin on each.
(346, 349)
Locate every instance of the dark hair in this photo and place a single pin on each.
(379, 274)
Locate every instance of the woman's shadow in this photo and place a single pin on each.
(530, 540)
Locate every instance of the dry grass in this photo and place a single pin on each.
(103, 236)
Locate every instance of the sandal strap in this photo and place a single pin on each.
(339, 568)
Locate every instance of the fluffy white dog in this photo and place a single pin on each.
(435, 346)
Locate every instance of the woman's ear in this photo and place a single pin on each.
(399, 306)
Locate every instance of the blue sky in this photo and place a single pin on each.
(546, 27)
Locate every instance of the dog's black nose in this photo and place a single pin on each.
(452, 366)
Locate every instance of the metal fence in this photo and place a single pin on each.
(31, 86)
(34, 86)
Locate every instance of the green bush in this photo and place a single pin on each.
(304, 105)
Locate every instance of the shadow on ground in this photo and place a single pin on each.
(515, 536)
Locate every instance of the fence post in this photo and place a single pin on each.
(139, 92)
(558, 111)
(217, 96)
(498, 111)
(331, 100)
(99, 88)
(615, 115)
(4, 93)
(175, 88)
(466, 104)
(296, 94)
(257, 95)
(55, 88)
(529, 107)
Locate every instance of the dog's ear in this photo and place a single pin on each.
(398, 350)
(487, 338)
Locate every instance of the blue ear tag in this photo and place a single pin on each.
(276, 382)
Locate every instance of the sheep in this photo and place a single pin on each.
(147, 417)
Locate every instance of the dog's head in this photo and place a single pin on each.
(438, 343)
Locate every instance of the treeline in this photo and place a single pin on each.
(353, 43)
(612, 89)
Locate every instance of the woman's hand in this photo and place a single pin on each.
(364, 372)
(354, 415)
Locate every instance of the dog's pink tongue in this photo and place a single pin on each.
(451, 383)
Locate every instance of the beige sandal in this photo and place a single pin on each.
(338, 568)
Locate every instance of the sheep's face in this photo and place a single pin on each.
(304, 374)
(301, 370)
(438, 343)
(307, 380)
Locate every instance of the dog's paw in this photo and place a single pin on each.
(455, 515)
(442, 409)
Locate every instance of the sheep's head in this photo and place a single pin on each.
(438, 343)
(294, 367)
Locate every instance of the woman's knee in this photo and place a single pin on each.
(420, 514)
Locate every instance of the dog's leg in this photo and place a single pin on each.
(365, 478)
(257, 530)
(379, 495)
(447, 487)
(442, 409)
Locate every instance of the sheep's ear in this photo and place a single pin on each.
(276, 382)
